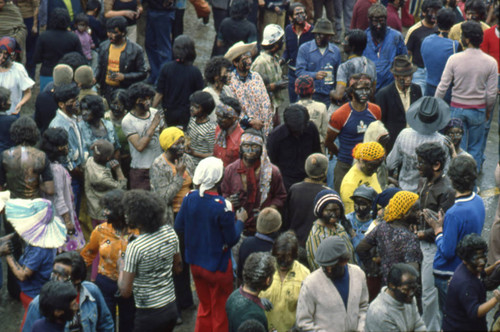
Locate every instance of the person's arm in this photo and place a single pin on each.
(401, 47)
(364, 247)
(139, 68)
(33, 315)
(109, 12)
(91, 249)
(24, 100)
(125, 282)
(156, 100)
(37, 56)
(363, 304)
(177, 264)
(21, 272)
(47, 184)
(446, 79)
(231, 228)
(491, 91)
(306, 308)
(141, 142)
(330, 142)
(277, 194)
(163, 181)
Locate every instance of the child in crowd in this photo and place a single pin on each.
(201, 131)
(454, 132)
(82, 31)
(361, 218)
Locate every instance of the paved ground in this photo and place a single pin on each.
(11, 310)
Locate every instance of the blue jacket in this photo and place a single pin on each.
(94, 313)
(292, 43)
(310, 61)
(209, 229)
(76, 154)
(466, 216)
(383, 54)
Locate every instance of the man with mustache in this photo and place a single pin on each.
(417, 33)
(383, 45)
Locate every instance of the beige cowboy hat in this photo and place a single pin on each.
(238, 49)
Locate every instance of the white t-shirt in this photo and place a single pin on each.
(16, 79)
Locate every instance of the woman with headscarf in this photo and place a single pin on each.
(207, 223)
(329, 210)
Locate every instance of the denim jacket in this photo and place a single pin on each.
(76, 154)
(310, 61)
(94, 313)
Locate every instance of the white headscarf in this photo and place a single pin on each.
(209, 171)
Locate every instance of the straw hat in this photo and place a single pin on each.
(238, 49)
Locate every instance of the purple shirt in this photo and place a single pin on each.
(87, 43)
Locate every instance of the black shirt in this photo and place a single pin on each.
(177, 82)
(52, 45)
(232, 31)
(45, 109)
(257, 243)
(414, 42)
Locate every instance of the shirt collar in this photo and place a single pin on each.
(264, 237)
(306, 29)
(241, 78)
(85, 294)
(65, 116)
(329, 48)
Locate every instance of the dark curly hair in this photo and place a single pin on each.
(56, 295)
(117, 22)
(214, 67)
(258, 267)
(139, 90)
(463, 173)
(204, 100)
(239, 9)
(233, 102)
(432, 153)
(357, 40)
(473, 31)
(73, 59)
(467, 247)
(183, 49)
(143, 210)
(65, 92)
(95, 105)
(4, 98)
(291, 8)
(78, 266)
(52, 139)
(427, 4)
(478, 6)
(113, 201)
(286, 242)
(59, 19)
(24, 131)
(445, 19)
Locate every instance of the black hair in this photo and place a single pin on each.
(56, 295)
(258, 267)
(357, 76)
(120, 95)
(73, 59)
(65, 92)
(467, 247)
(4, 98)
(428, 4)
(94, 104)
(52, 139)
(445, 19)
(139, 90)
(117, 22)
(143, 210)
(286, 242)
(59, 19)
(357, 39)
(24, 130)
(473, 31)
(183, 49)
(82, 18)
(73, 259)
(93, 5)
(291, 8)
(233, 102)
(462, 173)
(432, 153)
(113, 201)
(214, 67)
(478, 6)
(251, 325)
(239, 9)
(292, 111)
(397, 271)
(204, 100)
(377, 9)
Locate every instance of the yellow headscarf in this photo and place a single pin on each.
(368, 151)
(169, 136)
(399, 205)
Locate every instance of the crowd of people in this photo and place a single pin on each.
(318, 174)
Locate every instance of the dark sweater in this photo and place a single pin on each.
(251, 244)
(240, 308)
(52, 45)
(45, 110)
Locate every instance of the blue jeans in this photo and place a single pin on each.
(343, 8)
(420, 78)
(474, 128)
(430, 90)
(442, 288)
(158, 40)
(329, 174)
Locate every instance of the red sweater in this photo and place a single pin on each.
(491, 44)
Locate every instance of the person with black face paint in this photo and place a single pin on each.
(361, 218)
(287, 280)
(395, 308)
(335, 296)
(291, 143)
(228, 131)
(475, 10)
(6, 120)
(383, 44)
(466, 306)
(320, 59)
(416, 34)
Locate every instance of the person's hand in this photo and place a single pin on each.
(256, 124)
(34, 29)
(139, 11)
(5, 247)
(283, 84)
(118, 77)
(156, 120)
(18, 108)
(242, 215)
(70, 228)
(277, 10)
(180, 167)
(321, 75)
(235, 201)
(496, 294)
(451, 147)
(268, 306)
(130, 14)
(187, 149)
(434, 220)
(420, 235)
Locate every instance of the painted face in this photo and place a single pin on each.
(477, 262)
(455, 134)
(336, 271)
(362, 207)
(225, 122)
(425, 169)
(285, 260)
(362, 92)
(225, 78)
(115, 36)
(72, 106)
(430, 15)
(405, 292)
(403, 82)
(331, 214)
(117, 108)
(5, 59)
(378, 26)
(370, 167)
(244, 64)
(144, 104)
(177, 149)
(86, 113)
(472, 15)
(321, 39)
(251, 152)
(413, 215)
(299, 16)
(61, 272)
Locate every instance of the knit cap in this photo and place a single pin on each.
(323, 198)
(399, 205)
(368, 151)
(316, 165)
(304, 85)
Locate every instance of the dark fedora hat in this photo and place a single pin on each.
(324, 26)
(428, 115)
(402, 66)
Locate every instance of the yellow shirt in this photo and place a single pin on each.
(284, 296)
(352, 180)
(114, 62)
(456, 31)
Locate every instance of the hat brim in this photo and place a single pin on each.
(423, 128)
(238, 49)
(325, 32)
(404, 73)
(331, 263)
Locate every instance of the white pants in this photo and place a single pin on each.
(430, 304)
(132, 33)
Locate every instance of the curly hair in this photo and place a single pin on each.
(472, 31)
(214, 67)
(467, 247)
(432, 153)
(56, 295)
(478, 6)
(113, 201)
(232, 102)
(117, 22)
(286, 242)
(65, 92)
(143, 210)
(24, 131)
(428, 4)
(4, 98)
(463, 173)
(139, 90)
(52, 139)
(183, 49)
(258, 267)
(59, 19)
(95, 105)
(74, 60)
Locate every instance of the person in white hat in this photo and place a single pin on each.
(267, 63)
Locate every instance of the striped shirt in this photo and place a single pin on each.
(202, 136)
(150, 257)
